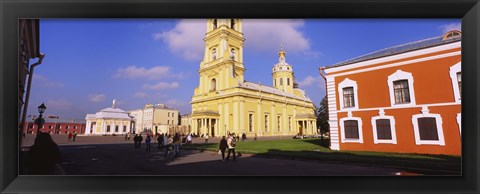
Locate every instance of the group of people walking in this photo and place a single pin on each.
(71, 136)
(227, 144)
(171, 144)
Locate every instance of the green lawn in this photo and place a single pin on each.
(315, 149)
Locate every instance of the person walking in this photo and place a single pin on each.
(74, 135)
(176, 145)
(206, 138)
(69, 136)
(147, 142)
(140, 139)
(160, 141)
(135, 141)
(231, 147)
(128, 135)
(189, 139)
(223, 146)
(168, 144)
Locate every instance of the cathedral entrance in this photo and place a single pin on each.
(300, 128)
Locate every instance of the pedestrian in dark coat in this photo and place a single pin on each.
(160, 142)
(140, 139)
(135, 140)
(74, 135)
(147, 142)
(223, 146)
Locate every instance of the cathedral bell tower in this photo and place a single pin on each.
(282, 74)
(222, 64)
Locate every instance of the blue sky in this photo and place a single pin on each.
(89, 62)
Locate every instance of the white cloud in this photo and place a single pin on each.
(266, 35)
(141, 95)
(141, 72)
(452, 26)
(96, 97)
(161, 86)
(186, 38)
(41, 80)
(269, 34)
(310, 80)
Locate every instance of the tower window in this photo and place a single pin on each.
(288, 81)
(214, 54)
(232, 54)
(215, 24)
(232, 23)
(274, 82)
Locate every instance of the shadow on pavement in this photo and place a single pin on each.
(438, 165)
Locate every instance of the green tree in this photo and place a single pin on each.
(322, 116)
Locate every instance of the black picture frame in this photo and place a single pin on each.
(11, 11)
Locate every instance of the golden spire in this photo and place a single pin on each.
(281, 53)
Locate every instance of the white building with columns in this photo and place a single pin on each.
(109, 121)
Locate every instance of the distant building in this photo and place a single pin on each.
(186, 122)
(54, 125)
(109, 121)
(406, 98)
(156, 118)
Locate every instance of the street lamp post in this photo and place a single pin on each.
(40, 121)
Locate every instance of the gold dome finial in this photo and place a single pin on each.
(281, 53)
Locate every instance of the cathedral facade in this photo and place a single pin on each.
(224, 102)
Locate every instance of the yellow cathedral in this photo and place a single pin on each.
(224, 102)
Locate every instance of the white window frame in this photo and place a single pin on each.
(392, 128)
(401, 75)
(459, 122)
(438, 119)
(342, 129)
(344, 84)
(457, 68)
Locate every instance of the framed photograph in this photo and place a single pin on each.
(160, 96)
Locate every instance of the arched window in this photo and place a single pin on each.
(288, 81)
(232, 24)
(232, 54)
(213, 85)
(215, 24)
(214, 54)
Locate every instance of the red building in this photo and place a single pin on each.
(405, 99)
(55, 125)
